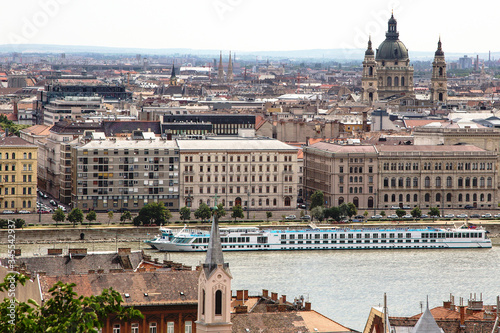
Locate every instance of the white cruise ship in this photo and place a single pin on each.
(255, 239)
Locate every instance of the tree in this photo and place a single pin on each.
(168, 215)
(110, 216)
(153, 213)
(269, 215)
(416, 212)
(382, 213)
(344, 209)
(76, 215)
(365, 214)
(58, 216)
(220, 211)
(434, 211)
(318, 213)
(64, 311)
(317, 199)
(203, 212)
(91, 216)
(333, 213)
(19, 223)
(237, 212)
(400, 212)
(351, 209)
(185, 213)
(125, 216)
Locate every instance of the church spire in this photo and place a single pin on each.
(230, 69)
(369, 50)
(173, 78)
(439, 51)
(214, 251)
(392, 30)
(220, 76)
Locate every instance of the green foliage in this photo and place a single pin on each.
(75, 216)
(110, 216)
(416, 212)
(318, 213)
(220, 212)
(333, 213)
(400, 212)
(64, 311)
(125, 216)
(365, 214)
(91, 216)
(269, 215)
(203, 212)
(153, 213)
(434, 211)
(185, 213)
(237, 212)
(382, 213)
(317, 199)
(351, 209)
(58, 216)
(10, 125)
(168, 215)
(19, 223)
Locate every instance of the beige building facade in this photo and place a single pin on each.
(385, 177)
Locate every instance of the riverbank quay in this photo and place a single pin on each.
(126, 233)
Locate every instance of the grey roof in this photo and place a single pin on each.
(214, 251)
(242, 144)
(426, 323)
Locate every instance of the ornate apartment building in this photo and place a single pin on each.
(18, 170)
(259, 173)
(381, 177)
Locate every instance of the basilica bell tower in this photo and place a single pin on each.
(369, 78)
(439, 90)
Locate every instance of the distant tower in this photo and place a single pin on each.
(173, 78)
(439, 90)
(220, 76)
(230, 69)
(214, 288)
(369, 77)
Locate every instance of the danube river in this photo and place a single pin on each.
(344, 285)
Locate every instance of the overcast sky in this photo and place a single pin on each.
(251, 25)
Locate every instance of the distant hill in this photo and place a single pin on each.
(319, 55)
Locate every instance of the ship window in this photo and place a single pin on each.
(218, 302)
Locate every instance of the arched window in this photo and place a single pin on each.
(370, 202)
(408, 182)
(415, 197)
(467, 197)
(474, 181)
(402, 81)
(438, 197)
(449, 181)
(355, 190)
(474, 197)
(489, 182)
(218, 302)
(203, 302)
(448, 197)
(408, 196)
(481, 197)
(287, 201)
(481, 181)
(393, 182)
(386, 182)
(400, 182)
(427, 197)
(370, 96)
(355, 201)
(400, 198)
(440, 97)
(351, 179)
(489, 196)
(396, 81)
(386, 197)
(267, 202)
(440, 71)
(370, 70)
(438, 181)
(360, 190)
(389, 81)
(393, 198)
(13, 156)
(427, 181)
(341, 200)
(460, 182)
(467, 182)
(415, 182)
(460, 197)
(275, 202)
(29, 156)
(25, 156)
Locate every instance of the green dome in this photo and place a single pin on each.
(391, 49)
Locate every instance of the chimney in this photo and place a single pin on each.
(274, 296)
(239, 295)
(283, 298)
(245, 295)
(308, 306)
(462, 314)
(265, 293)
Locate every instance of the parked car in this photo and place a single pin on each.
(8, 212)
(306, 217)
(475, 216)
(468, 207)
(449, 216)
(291, 217)
(53, 203)
(487, 216)
(43, 211)
(424, 216)
(301, 206)
(392, 216)
(408, 216)
(395, 207)
(359, 217)
(377, 216)
(24, 212)
(64, 208)
(406, 207)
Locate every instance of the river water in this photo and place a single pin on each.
(344, 285)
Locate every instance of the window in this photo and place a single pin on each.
(152, 328)
(170, 327)
(134, 328)
(188, 326)
(218, 299)
(116, 328)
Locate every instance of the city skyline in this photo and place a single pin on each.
(243, 26)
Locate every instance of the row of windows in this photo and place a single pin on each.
(267, 202)
(356, 169)
(26, 204)
(26, 178)
(427, 197)
(342, 235)
(238, 158)
(13, 156)
(153, 327)
(407, 166)
(5, 167)
(127, 151)
(401, 182)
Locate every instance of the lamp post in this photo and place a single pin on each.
(248, 204)
(375, 203)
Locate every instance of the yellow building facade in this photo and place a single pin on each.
(18, 175)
